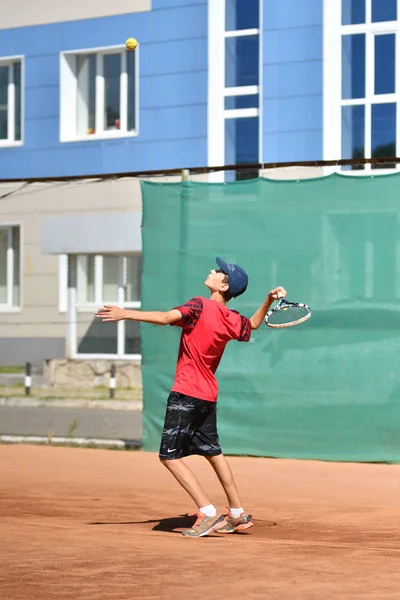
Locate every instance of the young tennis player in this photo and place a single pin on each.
(190, 423)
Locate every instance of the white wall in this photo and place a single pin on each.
(22, 13)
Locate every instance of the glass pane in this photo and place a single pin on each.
(110, 278)
(132, 337)
(353, 133)
(133, 275)
(96, 337)
(17, 104)
(3, 103)
(242, 14)
(232, 102)
(241, 60)
(17, 284)
(353, 66)
(86, 96)
(3, 265)
(241, 141)
(385, 64)
(86, 279)
(131, 60)
(353, 12)
(384, 10)
(383, 141)
(112, 91)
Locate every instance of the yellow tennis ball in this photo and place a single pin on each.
(131, 43)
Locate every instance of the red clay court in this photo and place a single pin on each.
(99, 524)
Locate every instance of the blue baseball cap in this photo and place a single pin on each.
(238, 278)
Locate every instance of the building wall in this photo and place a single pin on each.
(172, 93)
(292, 80)
(22, 13)
(38, 330)
(173, 86)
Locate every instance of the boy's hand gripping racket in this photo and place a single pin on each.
(287, 314)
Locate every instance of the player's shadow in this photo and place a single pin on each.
(170, 524)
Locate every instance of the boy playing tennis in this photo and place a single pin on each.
(190, 423)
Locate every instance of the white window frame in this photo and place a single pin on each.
(62, 283)
(68, 95)
(8, 61)
(89, 307)
(217, 91)
(9, 306)
(332, 79)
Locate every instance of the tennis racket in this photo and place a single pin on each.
(287, 314)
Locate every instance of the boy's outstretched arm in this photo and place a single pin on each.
(259, 315)
(109, 312)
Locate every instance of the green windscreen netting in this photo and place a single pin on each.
(327, 389)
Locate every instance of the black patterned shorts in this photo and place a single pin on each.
(190, 427)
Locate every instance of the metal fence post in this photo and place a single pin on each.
(28, 378)
(112, 380)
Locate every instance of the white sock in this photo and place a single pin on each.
(209, 511)
(236, 512)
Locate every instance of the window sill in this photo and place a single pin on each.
(135, 358)
(106, 135)
(88, 308)
(10, 144)
(4, 308)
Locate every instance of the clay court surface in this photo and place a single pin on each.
(100, 524)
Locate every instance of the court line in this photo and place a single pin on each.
(258, 541)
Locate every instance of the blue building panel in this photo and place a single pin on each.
(295, 113)
(41, 70)
(282, 46)
(40, 133)
(173, 89)
(178, 89)
(105, 156)
(292, 80)
(173, 123)
(43, 102)
(292, 14)
(292, 146)
(172, 93)
(188, 55)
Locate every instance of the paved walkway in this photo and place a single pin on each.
(112, 421)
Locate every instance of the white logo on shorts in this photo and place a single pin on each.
(173, 450)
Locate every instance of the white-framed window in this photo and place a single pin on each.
(235, 82)
(10, 267)
(242, 82)
(361, 83)
(99, 94)
(11, 101)
(108, 279)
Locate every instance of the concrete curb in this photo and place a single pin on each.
(89, 404)
(66, 441)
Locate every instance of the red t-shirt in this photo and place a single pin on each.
(207, 326)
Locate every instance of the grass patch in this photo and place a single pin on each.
(46, 393)
(72, 427)
(12, 370)
(89, 445)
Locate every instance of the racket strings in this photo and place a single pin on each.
(288, 314)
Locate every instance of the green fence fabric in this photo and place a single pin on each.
(327, 389)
